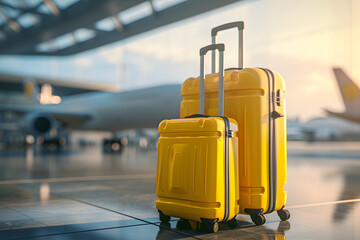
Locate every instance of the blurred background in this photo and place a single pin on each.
(84, 83)
(71, 47)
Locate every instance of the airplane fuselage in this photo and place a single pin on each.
(143, 108)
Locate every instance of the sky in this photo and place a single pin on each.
(301, 40)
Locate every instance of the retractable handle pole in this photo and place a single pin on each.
(215, 30)
(221, 48)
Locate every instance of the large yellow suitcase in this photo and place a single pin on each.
(197, 171)
(254, 98)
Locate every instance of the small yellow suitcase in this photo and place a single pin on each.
(197, 172)
(254, 98)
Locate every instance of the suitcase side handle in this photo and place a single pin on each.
(221, 48)
(215, 30)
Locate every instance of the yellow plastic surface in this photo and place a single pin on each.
(190, 180)
(246, 101)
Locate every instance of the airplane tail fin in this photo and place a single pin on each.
(350, 92)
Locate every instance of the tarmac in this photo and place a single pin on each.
(85, 194)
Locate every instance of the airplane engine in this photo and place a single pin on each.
(38, 124)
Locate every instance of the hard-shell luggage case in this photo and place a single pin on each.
(197, 172)
(254, 98)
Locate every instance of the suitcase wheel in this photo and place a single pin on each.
(210, 226)
(164, 218)
(283, 214)
(183, 224)
(232, 223)
(258, 219)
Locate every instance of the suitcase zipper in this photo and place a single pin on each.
(227, 135)
(272, 142)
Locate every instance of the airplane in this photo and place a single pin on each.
(350, 93)
(329, 129)
(339, 126)
(102, 111)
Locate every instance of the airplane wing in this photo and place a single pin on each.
(66, 118)
(344, 115)
(16, 109)
(70, 118)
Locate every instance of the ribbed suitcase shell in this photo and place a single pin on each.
(190, 180)
(249, 95)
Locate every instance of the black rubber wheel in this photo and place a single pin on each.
(232, 223)
(214, 227)
(183, 224)
(163, 217)
(210, 227)
(258, 219)
(283, 214)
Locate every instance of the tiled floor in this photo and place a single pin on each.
(88, 195)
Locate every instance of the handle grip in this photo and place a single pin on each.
(204, 50)
(239, 25)
(215, 30)
(221, 48)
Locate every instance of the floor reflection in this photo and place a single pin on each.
(279, 233)
(245, 230)
(351, 190)
(37, 188)
(32, 163)
(44, 192)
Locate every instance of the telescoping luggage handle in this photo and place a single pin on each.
(215, 30)
(221, 48)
